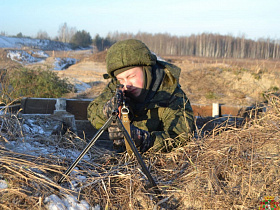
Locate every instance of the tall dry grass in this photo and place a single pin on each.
(228, 168)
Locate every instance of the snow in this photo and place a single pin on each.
(39, 53)
(3, 184)
(79, 85)
(63, 63)
(69, 202)
(34, 125)
(22, 57)
(43, 44)
(44, 125)
(17, 53)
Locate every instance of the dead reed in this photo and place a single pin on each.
(229, 167)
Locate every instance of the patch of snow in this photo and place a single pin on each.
(40, 54)
(33, 129)
(43, 44)
(3, 184)
(35, 125)
(22, 57)
(63, 63)
(36, 56)
(43, 125)
(79, 85)
(68, 202)
(77, 180)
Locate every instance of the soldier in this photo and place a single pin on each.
(162, 117)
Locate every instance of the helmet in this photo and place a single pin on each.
(127, 54)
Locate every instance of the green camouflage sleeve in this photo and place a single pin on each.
(95, 108)
(178, 125)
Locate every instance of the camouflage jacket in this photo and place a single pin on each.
(168, 116)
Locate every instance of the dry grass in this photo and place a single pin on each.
(228, 168)
(227, 81)
(204, 80)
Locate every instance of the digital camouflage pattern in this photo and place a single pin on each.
(141, 138)
(168, 116)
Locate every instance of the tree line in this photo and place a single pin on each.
(66, 34)
(204, 45)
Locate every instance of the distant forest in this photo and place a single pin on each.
(204, 45)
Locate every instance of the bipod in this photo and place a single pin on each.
(114, 117)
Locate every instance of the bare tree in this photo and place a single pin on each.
(207, 45)
(42, 35)
(65, 33)
(3, 33)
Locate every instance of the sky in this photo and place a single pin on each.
(252, 18)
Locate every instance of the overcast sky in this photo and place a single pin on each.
(252, 18)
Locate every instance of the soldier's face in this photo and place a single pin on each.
(133, 80)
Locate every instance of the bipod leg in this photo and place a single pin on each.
(139, 158)
(90, 144)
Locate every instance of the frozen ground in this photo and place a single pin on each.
(44, 127)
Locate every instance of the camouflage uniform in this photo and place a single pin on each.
(166, 115)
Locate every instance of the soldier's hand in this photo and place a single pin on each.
(141, 138)
(115, 133)
(113, 104)
(108, 108)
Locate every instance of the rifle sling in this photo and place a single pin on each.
(126, 123)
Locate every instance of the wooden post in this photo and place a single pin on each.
(215, 110)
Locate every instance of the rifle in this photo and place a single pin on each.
(123, 112)
(115, 117)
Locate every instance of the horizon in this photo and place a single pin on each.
(253, 19)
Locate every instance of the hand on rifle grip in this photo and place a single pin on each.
(113, 104)
(141, 138)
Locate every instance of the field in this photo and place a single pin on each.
(230, 166)
(205, 80)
